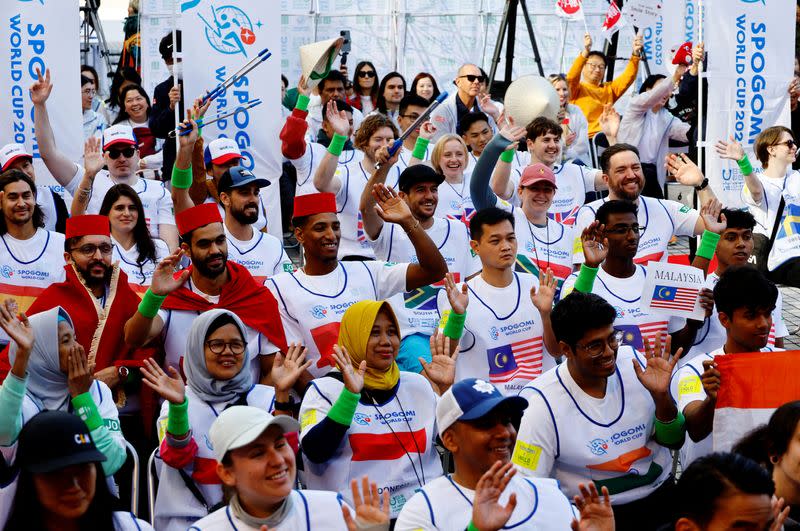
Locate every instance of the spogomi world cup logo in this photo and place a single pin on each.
(229, 29)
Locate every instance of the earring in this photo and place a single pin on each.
(773, 460)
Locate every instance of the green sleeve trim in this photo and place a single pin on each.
(302, 102)
(87, 410)
(344, 408)
(708, 244)
(178, 418)
(671, 433)
(420, 148)
(471, 527)
(336, 146)
(455, 325)
(181, 177)
(585, 281)
(507, 156)
(150, 304)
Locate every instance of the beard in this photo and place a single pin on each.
(94, 281)
(242, 217)
(211, 271)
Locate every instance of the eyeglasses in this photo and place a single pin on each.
(595, 349)
(789, 144)
(89, 92)
(596, 66)
(472, 78)
(366, 73)
(217, 346)
(115, 153)
(623, 230)
(413, 115)
(89, 249)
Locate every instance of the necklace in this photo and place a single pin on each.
(547, 243)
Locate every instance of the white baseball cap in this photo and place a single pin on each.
(471, 399)
(238, 426)
(118, 134)
(221, 150)
(11, 152)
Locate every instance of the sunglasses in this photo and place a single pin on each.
(472, 78)
(115, 153)
(789, 144)
(366, 73)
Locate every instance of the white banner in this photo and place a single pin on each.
(156, 20)
(673, 25)
(219, 37)
(42, 34)
(750, 65)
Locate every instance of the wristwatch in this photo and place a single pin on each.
(703, 185)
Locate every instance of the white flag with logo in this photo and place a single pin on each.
(570, 9)
(614, 21)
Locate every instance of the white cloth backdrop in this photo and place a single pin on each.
(35, 34)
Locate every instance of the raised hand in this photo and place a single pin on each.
(384, 159)
(684, 169)
(779, 513)
(458, 297)
(587, 42)
(174, 96)
(712, 217)
(391, 208)
(17, 328)
(596, 513)
(732, 150)
(93, 160)
(511, 131)
(199, 108)
(371, 509)
(442, 368)
(427, 130)
(543, 298)
(164, 279)
(353, 378)
(41, 88)
(487, 513)
(287, 369)
(655, 377)
(488, 106)
(711, 379)
(302, 86)
(638, 44)
(79, 371)
(609, 122)
(170, 386)
(707, 301)
(337, 119)
(188, 141)
(595, 244)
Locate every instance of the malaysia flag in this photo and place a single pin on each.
(635, 335)
(671, 298)
(522, 359)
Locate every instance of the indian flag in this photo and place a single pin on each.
(752, 386)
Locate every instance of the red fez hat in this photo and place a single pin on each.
(87, 225)
(197, 216)
(307, 205)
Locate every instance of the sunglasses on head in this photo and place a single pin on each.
(115, 153)
(472, 78)
(366, 73)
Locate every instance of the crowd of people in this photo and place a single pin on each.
(459, 340)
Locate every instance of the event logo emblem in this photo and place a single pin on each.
(319, 312)
(229, 31)
(598, 446)
(494, 333)
(6, 271)
(762, 2)
(361, 419)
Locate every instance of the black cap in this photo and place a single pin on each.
(165, 47)
(237, 177)
(419, 173)
(53, 440)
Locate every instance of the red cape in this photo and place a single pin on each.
(242, 295)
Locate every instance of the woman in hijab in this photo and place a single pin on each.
(50, 371)
(217, 377)
(369, 418)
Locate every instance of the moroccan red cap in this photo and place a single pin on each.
(197, 216)
(87, 225)
(321, 203)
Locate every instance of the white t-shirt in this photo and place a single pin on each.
(540, 248)
(573, 181)
(624, 294)
(661, 218)
(139, 278)
(263, 201)
(306, 166)
(156, 199)
(405, 157)
(444, 505)
(262, 255)
(311, 307)
(46, 202)
(576, 438)
(503, 336)
(765, 211)
(416, 310)
(455, 201)
(712, 335)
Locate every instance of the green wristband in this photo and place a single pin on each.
(420, 148)
(471, 527)
(178, 418)
(86, 409)
(181, 177)
(344, 408)
(150, 304)
(336, 146)
(708, 244)
(673, 432)
(302, 102)
(507, 156)
(744, 165)
(585, 281)
(455, 325)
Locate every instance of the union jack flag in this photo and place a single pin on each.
(565, 218)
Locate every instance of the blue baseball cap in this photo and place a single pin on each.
(239, 176)
(471, 399)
